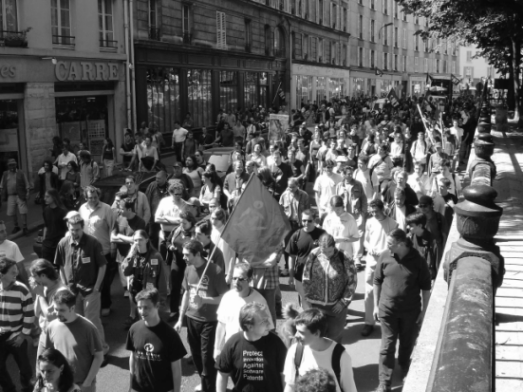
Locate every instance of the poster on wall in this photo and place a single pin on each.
(278, 123)
(96, 133)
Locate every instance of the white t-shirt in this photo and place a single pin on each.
(419, 184)
(229, 310)
(11, 251)
(458, 134)
(180, 134)
(312, 359)
(64, 160)
(376, 232)
(342, 226)
(325, 185)
(168, 209)
(364, 178)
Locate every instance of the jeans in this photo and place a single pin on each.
(369, 291)
(403, 326)
(21, 358)
(178, 147)
(201, 335)
(336, 325)
(110, 273)
(89, 306)
(177, 274)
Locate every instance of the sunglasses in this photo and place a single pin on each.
(129, 183)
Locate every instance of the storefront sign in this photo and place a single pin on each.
(7, 72)
(86, 71)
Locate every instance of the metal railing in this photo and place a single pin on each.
(13, 38)
(107, 43)
(63, 40)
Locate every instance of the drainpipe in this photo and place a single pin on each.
(127, 65)
(133, 72)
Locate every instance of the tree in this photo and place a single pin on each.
(495, 27)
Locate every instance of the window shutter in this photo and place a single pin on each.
(221, 33)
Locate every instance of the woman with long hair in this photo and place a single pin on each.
(54, 224)
(212, 187)
(145, 267)
(54, 373)
(108, 156)
(195, 173)
(179, 236)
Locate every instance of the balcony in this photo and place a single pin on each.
(13, 39)
(67, 40)
(107, 43)
(155, 33)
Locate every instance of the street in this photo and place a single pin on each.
(115, 376)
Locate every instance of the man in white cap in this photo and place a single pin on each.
(15, 189)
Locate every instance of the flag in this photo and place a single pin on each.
(455, 79)
(379, 72)
(429, 79)
(257, 225)
(393, 98)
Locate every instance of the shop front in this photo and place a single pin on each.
(171, 85)
(312, 84)
(81, 100)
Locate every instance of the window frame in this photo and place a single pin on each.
(69, 39)
(3, 21)
(221, 30)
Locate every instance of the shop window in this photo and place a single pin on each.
(321, 89)
(255, 89)
(303, 90)
(83, 120)
(163, 98)
(279, 42)
(61, 23)
(9, 147)
(105, 21)
(336, 88)
(228, 90)
(221, 30)
(199, 96)
(9, 16)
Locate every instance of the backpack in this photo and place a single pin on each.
(335, 361)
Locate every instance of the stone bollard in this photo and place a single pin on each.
(501, 119)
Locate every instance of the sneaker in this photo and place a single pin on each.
(106, 312)
(126, 294)
(284, 272)
(16, 229)
(367, 330)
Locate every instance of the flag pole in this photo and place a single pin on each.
(277, 90)
(225, 227)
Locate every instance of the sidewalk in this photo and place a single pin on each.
(508, 158)
(35, 219)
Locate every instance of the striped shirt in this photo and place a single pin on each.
(16, 310)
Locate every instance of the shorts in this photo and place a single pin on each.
(14, 201)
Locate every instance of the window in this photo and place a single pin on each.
(321, 88)
(105, 23)
(248, 35)
(268, 39)
(372, 30)
(426, 65)
(360, 2)
(320, 12)
(314, 48)
(417, 43)
(437, 66)
(372, 5)
(395, 62)
(396, 12)
(385, 36)
(297, 45)
(334, 15)
(9, 15)
(186, 23)
(404, 64)
(468, 72)
(417, 20)
(453, 70)
(469, 56)
(371, 56)
(360, 26)
(305, 44)
(344, 19)
(404, 16)
(199, 97)
(255, 89)
(154, 19)
(221, 30)
(320, 50)
(279, 42)
(360, 57)
(386, 7)
(228, 90)
(385, 60)
(395, 37)
(405, 39)
(416, 64)
(163, 97)
(61, 22)
(344, 55)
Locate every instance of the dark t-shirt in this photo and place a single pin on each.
(128, 148)
(227, 138)
(154, 348)
(55, 224)
(300, 245)
(401, 282)
(213, 285)
(253, 366)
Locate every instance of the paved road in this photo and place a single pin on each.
(115, 377)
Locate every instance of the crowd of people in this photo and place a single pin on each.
(364, 189)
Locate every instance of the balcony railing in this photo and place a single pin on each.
(63, 40)
(16, 39)
(107, 43)
(155, 33)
